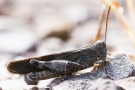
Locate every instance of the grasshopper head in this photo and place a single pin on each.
(100, 48)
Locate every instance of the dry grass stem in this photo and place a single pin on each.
(132, 58)
(131, 8)
(123, 20)
(101, 19)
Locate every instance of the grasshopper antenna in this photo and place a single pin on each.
(107, 21)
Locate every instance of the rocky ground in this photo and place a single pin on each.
(35, 28)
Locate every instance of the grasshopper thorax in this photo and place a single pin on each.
(100, 48)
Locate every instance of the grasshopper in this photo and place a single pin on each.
(60, 64)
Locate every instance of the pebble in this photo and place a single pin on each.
(16, 41)
(11, 23)
(48, 46)
(83, 34)
(6, 75)
(51, 24)
(14, 85)
(75, 13)
(4, 72)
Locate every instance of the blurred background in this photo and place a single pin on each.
(39, 27)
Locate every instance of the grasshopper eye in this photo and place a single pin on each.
(100, 45)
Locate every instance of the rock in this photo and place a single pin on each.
(16, 41)
(133, 73)
(127, 84)
(119, 67)
(105, 84)
(44, 83)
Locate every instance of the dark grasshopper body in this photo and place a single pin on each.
(60, 63)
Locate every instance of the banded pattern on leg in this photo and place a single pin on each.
(42, 75)
(62, 67)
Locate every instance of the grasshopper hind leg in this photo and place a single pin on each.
(62, 67)
(42, 75)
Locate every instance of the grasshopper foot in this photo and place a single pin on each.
(99, 62)
(31, 77)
